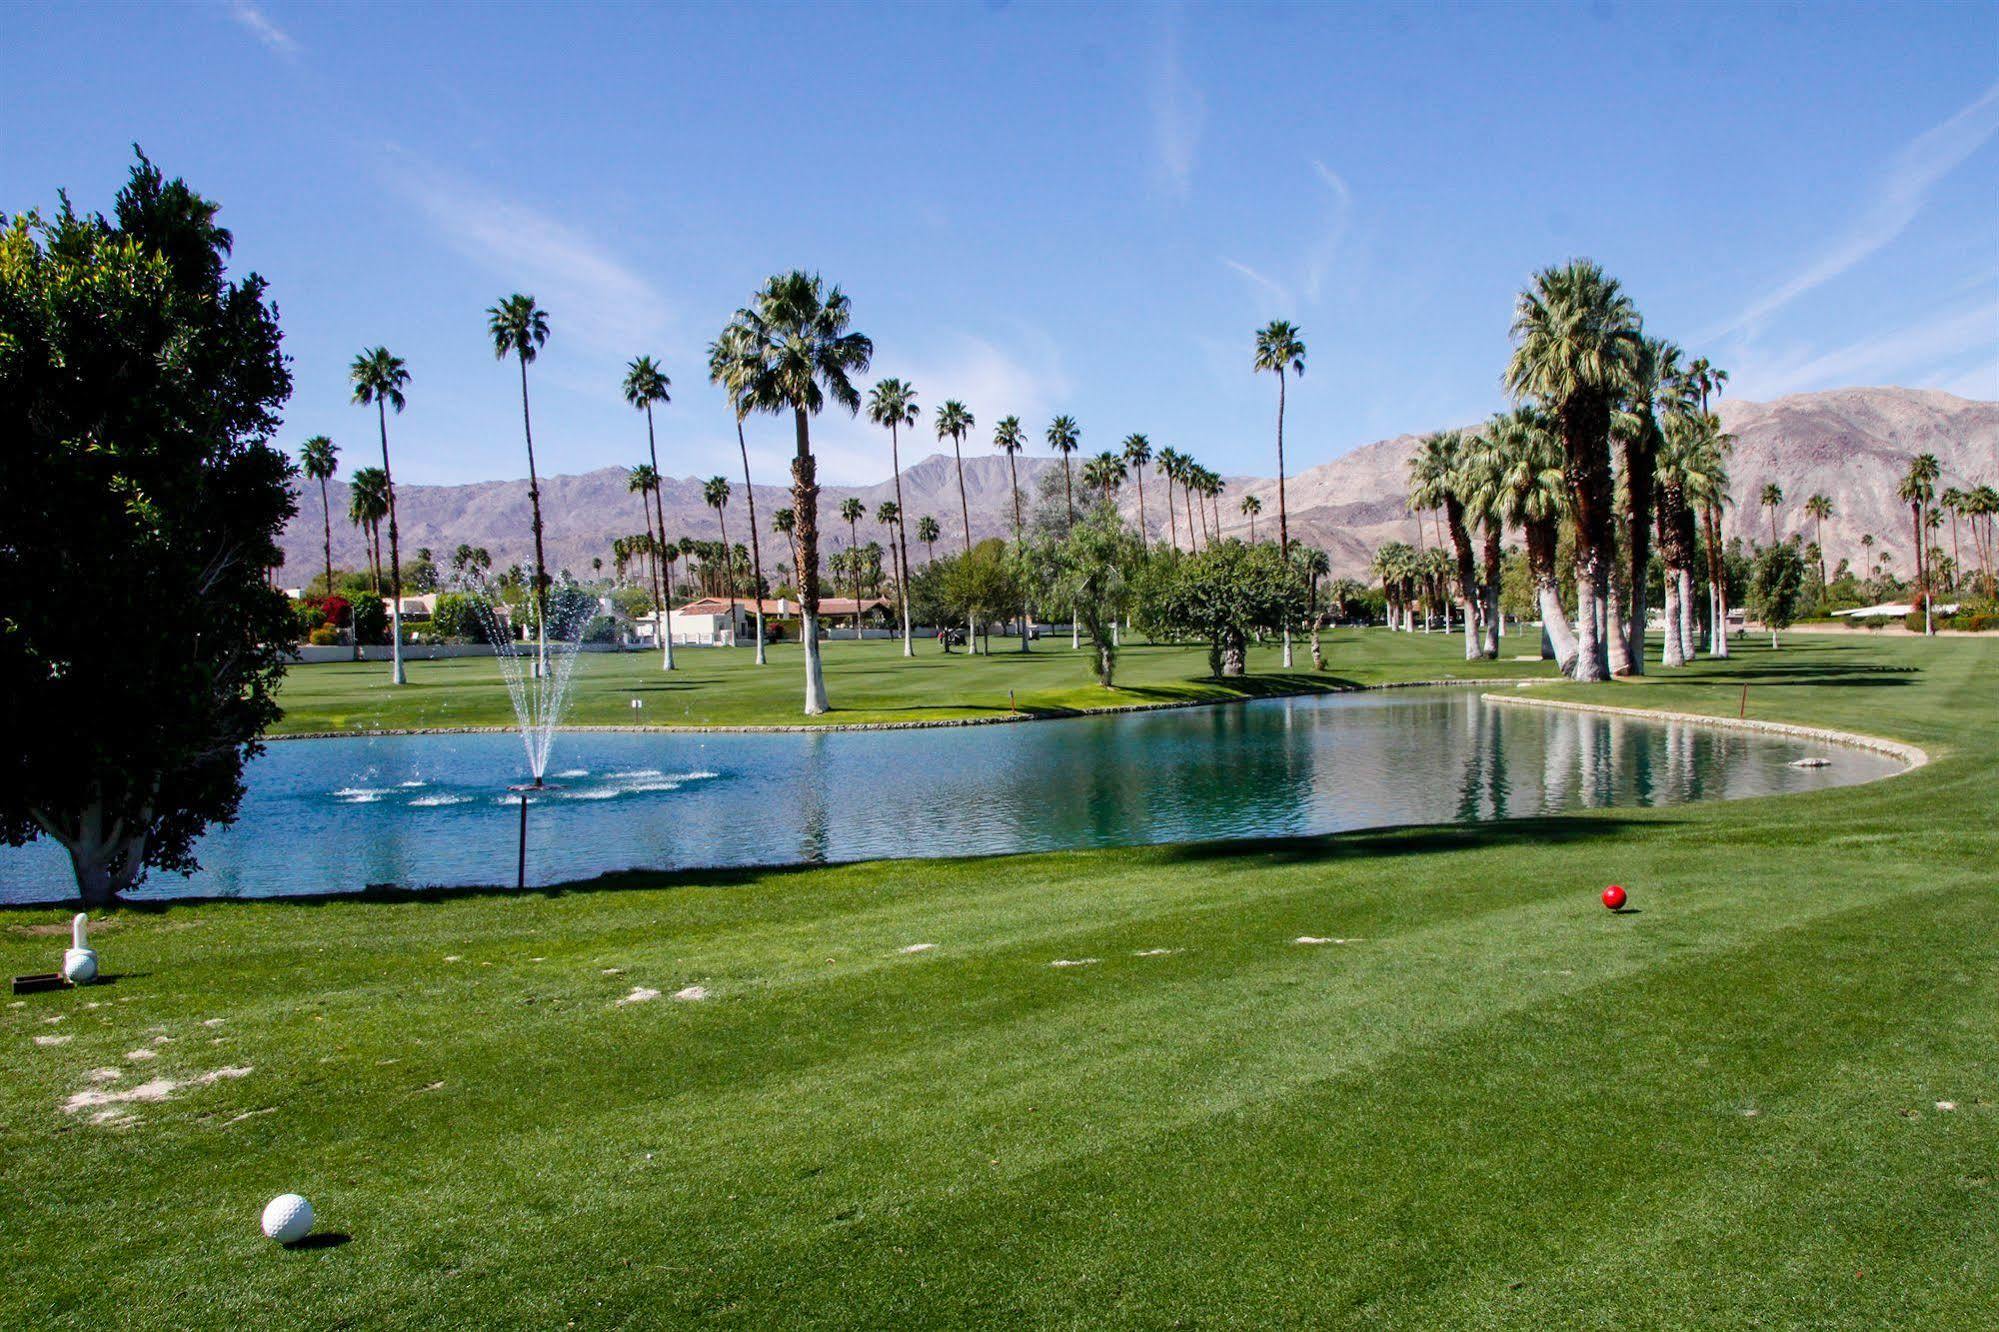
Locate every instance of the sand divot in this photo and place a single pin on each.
(105, 1074)
(53, 1040)
(614, 971)
(916, 948)
(142, 1054)
(1314, 939)
(249, 1114)
(1155, 952)
(453, 957)
(53, 1020)
(211, 1022)
(159, 1089)
(1075, 962)
(1946, 1106)
(691, 993)
(640, 995)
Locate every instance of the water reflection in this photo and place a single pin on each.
(433, 809)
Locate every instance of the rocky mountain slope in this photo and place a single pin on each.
(1849, 444)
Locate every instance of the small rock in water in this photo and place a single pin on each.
(1811, 763)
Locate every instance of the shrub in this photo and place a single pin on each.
(324, 636)
(602, 629)
(371, 622)
(460, 618)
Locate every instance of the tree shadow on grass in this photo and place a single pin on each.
(1414, 839)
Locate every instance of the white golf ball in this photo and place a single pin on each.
(288, 1218)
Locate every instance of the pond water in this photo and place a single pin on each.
(326, 816)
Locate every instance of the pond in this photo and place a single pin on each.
(326, 816)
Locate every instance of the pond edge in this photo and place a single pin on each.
(1913, 756)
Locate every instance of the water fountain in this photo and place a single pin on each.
(537, 659)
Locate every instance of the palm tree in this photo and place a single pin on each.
(1576, 338)
(1252, 506)
(799, 350)
(1917, 489)
(1138, 452)
(379, 378)
(955, 421)
(519, 328)
(1656, 382)
(1105, 474)
(1009, 439)
(1953, 499)
(853, 511)
(892, 403)
(1434, 484)
(889, 515)
(1526, 476)
(642, 481)
(715, 494)
(728, 366)
(367, 505)
(1190, 484)
(320, 458)
(785, 523)
(1279, 348)
(1315, 564)
(646, 384)
(1063, 437)
(1691, 477)
(1819, 508)
(1703, 378)
(1772, 496)
(1169, 467)
(927, 532)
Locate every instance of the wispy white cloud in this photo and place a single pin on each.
(1904, 187)
(1178, 113)
(275, 39)
(592, 294)
(1276, 289)
(1320, 261)
(1929, 351)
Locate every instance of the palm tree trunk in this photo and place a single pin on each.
(396, 674)
(1454, 513)
(756, 544)
(1717, 586)
(1013, 479)
(965, 512)
(326, 517)
(1490, 589)
(902, 535)
(1541, 541)
(540, 561)
(659, 508)
(854, 572)
(652, 549)
(728, 570)
(1172, 515)
(805, 508)
(1138, 469)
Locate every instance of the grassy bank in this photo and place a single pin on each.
(867, 682)
(1492, 1104)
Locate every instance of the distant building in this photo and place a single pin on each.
(717, 622)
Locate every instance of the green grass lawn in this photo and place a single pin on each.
(1495, 1105)
(867, 682)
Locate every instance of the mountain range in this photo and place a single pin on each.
(1851, 445)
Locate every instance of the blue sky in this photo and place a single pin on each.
(1044, 208)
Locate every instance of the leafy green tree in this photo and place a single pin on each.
(1092, 567)
(139, 390)
(1775, 585)
(1576, 338)
(981, 585)
(1229, 592)
(797, 349)
(892, 403)
(463, 617)
(645, 386)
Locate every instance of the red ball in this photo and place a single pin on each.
(1613, 897)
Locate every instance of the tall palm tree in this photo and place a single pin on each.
(519, 328)
(1917, 489)
(1252, 506)
(892, 403)
(1953, 499)
(1278, 349)
(1138, 452)
(715, 494)
(643, 481)
(1009, 439)
(888, 514)
(320, 458)
(1063, 437)
(1169, 467)
(367, 506)
(647, 384)
(1708, 381)
(955, 421)
(729, 366)
(853, 511)
(1772, 496)
(1315, 564)
(927, 532)
(1526, 476)
(785, 523)
(379, 378)
(1434, 484)
(1656, 383)
(798, 351)
(1576, 336)
(1190, 485)
(1105, 474)
(1819, 508)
